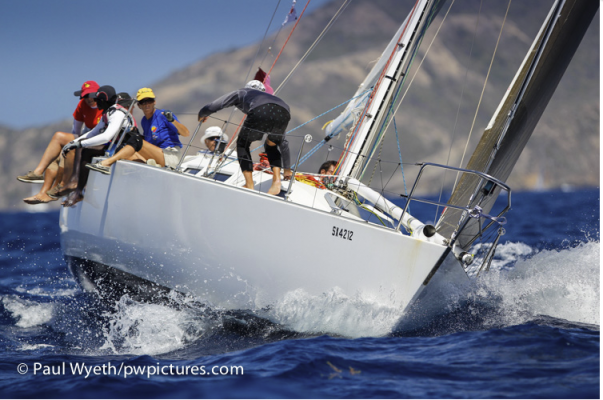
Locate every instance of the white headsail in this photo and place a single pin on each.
(370, 111)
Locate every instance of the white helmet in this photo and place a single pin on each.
(214, 131)
(257, 85)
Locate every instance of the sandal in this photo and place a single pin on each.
(60, 191)
(37, 200)
(53, 192)
(100, 168)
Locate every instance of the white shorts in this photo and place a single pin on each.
(171, 156)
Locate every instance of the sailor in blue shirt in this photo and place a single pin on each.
(161, 143)
(161, 128)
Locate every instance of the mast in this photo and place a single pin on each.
(518, 113)
(375, 114)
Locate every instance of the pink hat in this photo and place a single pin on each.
(87, 88)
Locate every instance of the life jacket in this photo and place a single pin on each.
(129, 125)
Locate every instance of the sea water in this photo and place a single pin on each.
(530, 329)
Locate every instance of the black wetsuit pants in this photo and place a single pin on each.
(87, 156)
(273, 120)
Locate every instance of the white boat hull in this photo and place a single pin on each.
(236, 248)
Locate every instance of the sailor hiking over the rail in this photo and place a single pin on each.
(161, 142)
(115, 119)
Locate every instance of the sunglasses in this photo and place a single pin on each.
(146, 101)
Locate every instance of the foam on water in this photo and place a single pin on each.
(28, 313)
(38, 291)
(143, 328)
(558, 283)
(522, 284)
(334, 313)
(30, 347)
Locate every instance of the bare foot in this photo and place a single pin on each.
(275, 188)
(73, 199)
(65, 190)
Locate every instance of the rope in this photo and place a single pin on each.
(288, 37)
(269, 71)
(458, 110)
(249, 72)
(400, 154)
(395, 98)
(275, 36)
(323, 141)
(262, 41)
(369, 102)
(421, 63)
(483, 90)
(311, 48)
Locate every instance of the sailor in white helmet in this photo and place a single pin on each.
(215, 139)
(265, 114)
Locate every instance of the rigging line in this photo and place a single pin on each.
(458, 110)
(421, 63)
(270, 47)
(351, 138)
(289, 37)
(323, 141)
(483, 90)
(262, 41)
(400, 154)
(275, 36)
(318, 39)
(381, 175)
(386, 125)
(268, 73)
(319, 144)
(382, 192)
(247, 77)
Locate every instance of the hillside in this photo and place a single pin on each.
(437, 113)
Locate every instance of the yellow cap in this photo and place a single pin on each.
(145, 93)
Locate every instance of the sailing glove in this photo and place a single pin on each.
(168, 115)
(70, 146)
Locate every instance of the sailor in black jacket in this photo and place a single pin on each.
(265, 114)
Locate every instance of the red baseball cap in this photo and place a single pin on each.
(87, 88)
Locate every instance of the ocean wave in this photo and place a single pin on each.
(562, 283)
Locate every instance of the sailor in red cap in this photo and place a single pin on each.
(85, 117)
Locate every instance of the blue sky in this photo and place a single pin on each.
(49, 48)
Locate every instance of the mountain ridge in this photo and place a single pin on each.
(449, 74)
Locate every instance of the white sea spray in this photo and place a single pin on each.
(145, 328)
(28, 313)
(561, 283)
(336, 313)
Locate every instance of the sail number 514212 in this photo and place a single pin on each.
(343, 233)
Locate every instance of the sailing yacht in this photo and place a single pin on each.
(149, 231)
